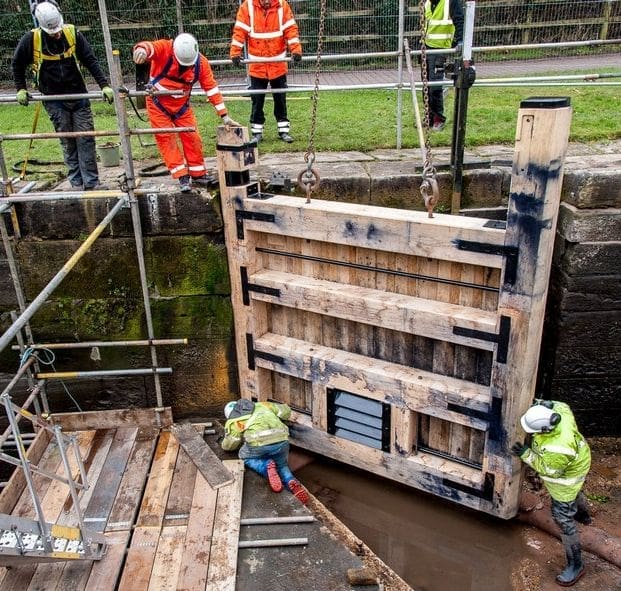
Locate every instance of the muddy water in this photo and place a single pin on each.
(431, 544)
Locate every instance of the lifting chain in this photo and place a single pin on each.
(429, 186)
(308, 179)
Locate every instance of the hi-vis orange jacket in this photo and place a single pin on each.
(269, 33)
(165, 75)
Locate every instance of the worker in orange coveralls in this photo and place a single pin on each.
(177, 65)
(270, 30)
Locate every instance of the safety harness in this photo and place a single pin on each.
(164, 74)
(38, 57)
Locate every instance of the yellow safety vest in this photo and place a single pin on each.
(38, 57)
(439, 30)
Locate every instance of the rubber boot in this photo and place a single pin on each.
(298, 491)
(574, 569)
(272, 477)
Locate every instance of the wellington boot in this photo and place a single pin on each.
(298, 491)
(574, 569)
(272, 477)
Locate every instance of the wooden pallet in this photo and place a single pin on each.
(432, 323)
(166, 527)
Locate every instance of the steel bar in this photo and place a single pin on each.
(7, 189)
(7, 434)
(377, 269)
(70, 481)
(15, 462)
(95, 133)
(18, 375)
(400, 43)
(26, 467)
(37, 97)
(272, 543)
(73, 441)
(89, 344)
(277, 520)
(69, 195)
(67, 375)
(25, 316)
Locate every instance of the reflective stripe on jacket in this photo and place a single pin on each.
(262, 427)
(268, 33)
(172, 76)
(439, 29)
(562, 458)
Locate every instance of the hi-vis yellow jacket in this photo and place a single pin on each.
(562, 458)
(262, 427)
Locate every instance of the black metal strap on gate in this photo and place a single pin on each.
(493, 416)
(248, 150)
(247, 287)
(253, 354)
(502, 338)
(241, 215)
(510, 253)
(486, 493)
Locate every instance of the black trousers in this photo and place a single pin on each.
(258, 100)
(435, 71)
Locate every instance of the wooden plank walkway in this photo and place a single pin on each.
(166, 527)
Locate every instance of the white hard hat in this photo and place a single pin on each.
(539, 419)
(228, 408)
(49, 18)
(185, 47)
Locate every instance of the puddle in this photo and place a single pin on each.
(431, 544)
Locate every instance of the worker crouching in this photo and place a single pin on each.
(562, 458)
(258, 431)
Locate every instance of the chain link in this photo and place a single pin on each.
(308, 180)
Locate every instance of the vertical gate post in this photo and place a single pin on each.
(541, 143)
(236, 156)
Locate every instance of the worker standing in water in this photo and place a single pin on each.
(258, 431)
(562, 458)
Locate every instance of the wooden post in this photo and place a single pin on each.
(541, 142)
(235, 158)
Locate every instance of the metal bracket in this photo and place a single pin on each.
(509, 252)
(242, 214)
(502, 338)
(253, 354)
(493, 416)
(247, 287)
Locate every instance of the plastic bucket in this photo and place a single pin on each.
(109, 154)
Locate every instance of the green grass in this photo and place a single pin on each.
(362, 120)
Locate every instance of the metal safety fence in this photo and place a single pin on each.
(351, 27)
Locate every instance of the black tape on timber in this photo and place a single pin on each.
(486, 493)
(241, 215)
(247, 287)
(509, 252)
(236, 178)
(502, 338)
(253, 354)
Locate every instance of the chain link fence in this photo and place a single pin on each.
(352, 26)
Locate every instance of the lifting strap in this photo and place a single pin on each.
(164, 74)
(38, 57)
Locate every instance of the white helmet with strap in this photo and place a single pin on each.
(49, 18)
(185, 48)
(539, 419)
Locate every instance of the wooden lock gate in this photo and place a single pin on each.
(407, 346)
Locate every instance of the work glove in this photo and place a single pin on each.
(519, 449)
(108, 94)
(228, 122)
(140, 55)
(237, 61)
(297, 57)
(22, 97)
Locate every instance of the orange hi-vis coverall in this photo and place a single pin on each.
(269, 33)
(175, 111)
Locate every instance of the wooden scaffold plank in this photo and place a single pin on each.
(223, 560)
(206, 461)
